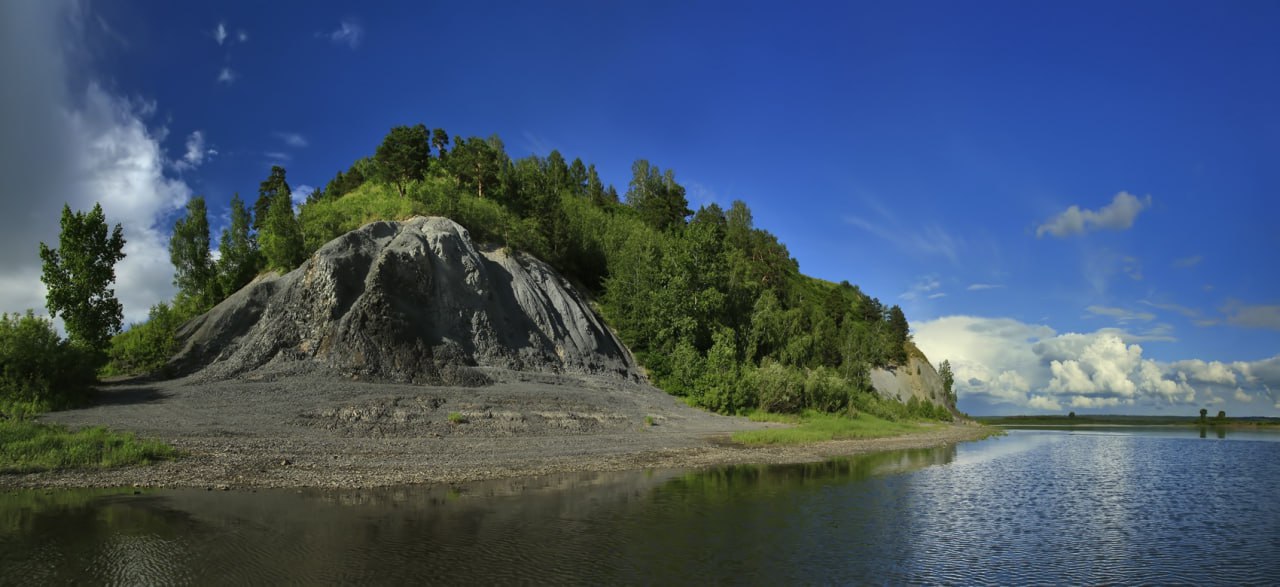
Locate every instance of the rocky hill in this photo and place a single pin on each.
(412, 301)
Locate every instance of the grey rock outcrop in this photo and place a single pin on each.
(411, 301)
(917, 378)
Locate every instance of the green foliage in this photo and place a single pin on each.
(477, 163)
(78, 275)
(780, 389)
(27, 446)
(195, 275)
(656, 196)
(239, 259)
(457, 418)
(38, 370)
(268, 193)
(280, 235)
(949, 380)
(403, 156)
(815, 426)
(146, 347)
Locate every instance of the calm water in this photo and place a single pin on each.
(1049, 507)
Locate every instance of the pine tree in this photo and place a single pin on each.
(404, 156)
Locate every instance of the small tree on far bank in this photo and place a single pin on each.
(1222, 414)
(1204, 414)
(79, 274)
(948, 380)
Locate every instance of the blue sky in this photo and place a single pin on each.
(1074, 203)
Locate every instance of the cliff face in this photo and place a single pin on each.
(412, 301)
(917, 378)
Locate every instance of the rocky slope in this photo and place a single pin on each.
(917, 378)
(412, 301)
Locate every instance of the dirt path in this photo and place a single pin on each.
(311, 432)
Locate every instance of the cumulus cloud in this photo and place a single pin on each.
(1005, 361)
(348, 33)
(220, 32)
(1243, 397)
(1118, 215)
(75, 147)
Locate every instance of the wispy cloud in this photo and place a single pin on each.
(931, 239)
(1186, 262)
(242, 36)
(348, 33)
(1120, 314)
(983, 286)
(292, 139)
(226, 76)
(926, 287)
(278, 156)
(1252, 316)
(1118, 215)
(220, 33)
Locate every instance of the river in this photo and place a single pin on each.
(1113, 506)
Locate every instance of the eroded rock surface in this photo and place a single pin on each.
(412, 301)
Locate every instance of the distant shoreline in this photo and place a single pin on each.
(343, 434)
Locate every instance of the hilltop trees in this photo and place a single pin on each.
(239, 259)
(79, 274)
(948, 381)
(195, 275)
(403, 155)
(269, 191)
(656, 196)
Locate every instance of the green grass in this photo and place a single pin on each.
(457, 418)
(27, 446)
(818, 427)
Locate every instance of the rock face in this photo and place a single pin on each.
(917, 379)
(412, 301)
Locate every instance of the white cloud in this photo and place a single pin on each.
(242, 36)
(77, 148)
(1120, 314)
(300, 193)
(1243, 397)
(348, 33)
(226, 76)
(983, 286)
(1000, 360)
(1118, 215)
(292, 139)
(927, 239)
(196, 152)
(934, 296)
(278, 156)
(220, 33)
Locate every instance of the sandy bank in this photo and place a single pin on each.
(314, 432)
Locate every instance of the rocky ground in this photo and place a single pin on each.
(322, 432)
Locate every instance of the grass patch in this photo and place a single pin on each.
(648, 421)
(27, 446)
(457, 418)
(819, 427)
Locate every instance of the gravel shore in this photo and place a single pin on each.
(314, 432)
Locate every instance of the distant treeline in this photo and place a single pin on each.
(714, 307)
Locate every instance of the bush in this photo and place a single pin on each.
(146, 347)
(779, 388)
(826, 391)
(40, 371)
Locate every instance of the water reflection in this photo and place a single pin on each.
(1055, 507)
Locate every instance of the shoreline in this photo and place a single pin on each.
(233, 467)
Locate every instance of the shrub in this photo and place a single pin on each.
(147, 346)
(779, 388)
(39, 370)
(826, 391)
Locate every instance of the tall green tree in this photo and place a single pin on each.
(948, 380)
(656, 196)
(900, 333)
(194, 273)
(268, 190)
(239, 259)
(79, 274)
(478, 163)
(404, 156)
(595, 188)
(280, 238)
(440, 140)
